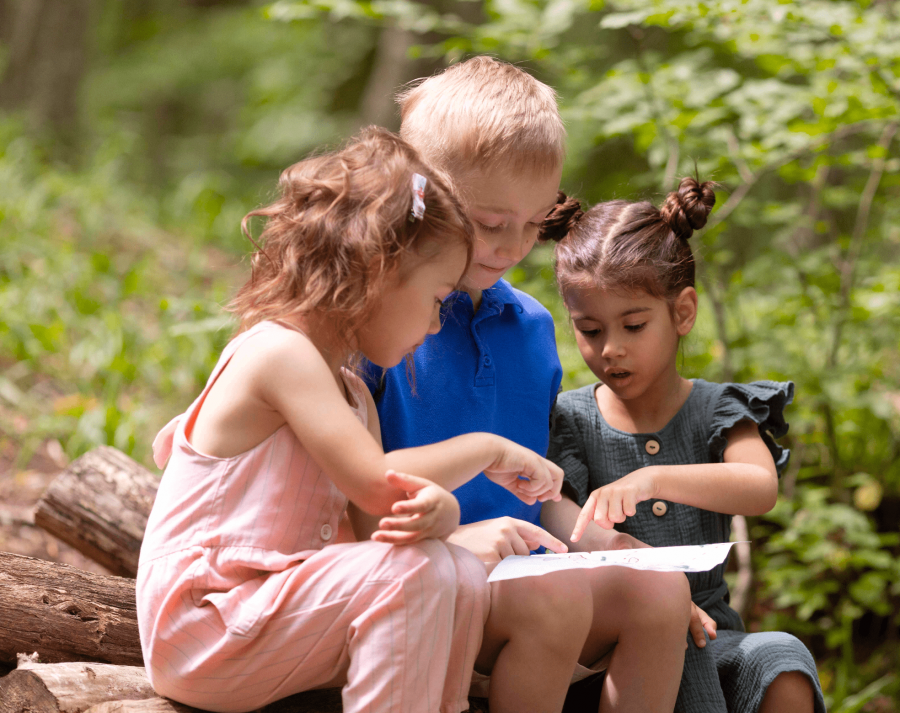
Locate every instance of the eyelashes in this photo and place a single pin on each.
(590, 333)
(491, 229)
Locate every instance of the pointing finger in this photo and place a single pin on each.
(584, 517)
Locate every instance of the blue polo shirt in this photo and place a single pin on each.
(494, 370)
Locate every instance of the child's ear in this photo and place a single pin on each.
(685, 309)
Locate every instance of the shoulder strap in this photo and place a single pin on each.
(165, 439)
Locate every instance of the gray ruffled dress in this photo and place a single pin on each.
(733, 671)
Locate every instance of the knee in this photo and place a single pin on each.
(429, 563)
(779, 647)
(789, 690)
(666, 592)
(471, 578)
(557, 606)
(658, 599)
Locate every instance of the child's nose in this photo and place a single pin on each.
(612, 348)
(515, 246)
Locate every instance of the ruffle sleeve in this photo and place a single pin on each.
(762, 402)
(566, 451)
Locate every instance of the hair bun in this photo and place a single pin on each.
(687, 208)
(562, 219)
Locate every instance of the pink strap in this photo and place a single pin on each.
(165, 439)
(162, 444)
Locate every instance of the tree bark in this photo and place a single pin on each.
(47, 56)
(78, 687)
(66, 614)
(70, 687)
(148, 705)
(99, 505)
(327, 700)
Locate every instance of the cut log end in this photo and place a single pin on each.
(99, 505)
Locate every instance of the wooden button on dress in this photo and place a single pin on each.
(659, 508)
(652, 447)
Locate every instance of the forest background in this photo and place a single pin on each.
(134, 136)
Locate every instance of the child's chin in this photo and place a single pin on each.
(386, 362)
(619, 386)
(482, 281)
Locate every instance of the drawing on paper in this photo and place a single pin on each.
(690, 558)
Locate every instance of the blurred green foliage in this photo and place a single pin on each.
(114, 267)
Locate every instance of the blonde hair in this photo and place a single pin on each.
(484, 113)
(341, 227)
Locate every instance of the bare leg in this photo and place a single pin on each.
(790, 692)
(540, 626)
(646, 615)
(533, 637)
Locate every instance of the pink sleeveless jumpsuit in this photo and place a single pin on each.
(242, 600)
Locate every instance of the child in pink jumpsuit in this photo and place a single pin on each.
(243, 597)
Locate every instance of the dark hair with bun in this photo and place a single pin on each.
(562, 219)
(632, 246)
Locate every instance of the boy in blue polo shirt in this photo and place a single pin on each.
(493, 367)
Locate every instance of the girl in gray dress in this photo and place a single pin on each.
(660, 458)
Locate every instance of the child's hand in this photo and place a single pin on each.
(700, 620)
(614, 502)
(493, 540)
(430, 512)
(525, 474)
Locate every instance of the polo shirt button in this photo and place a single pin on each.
(487, 361)
(326, 532)
(652, 447)
(660, 508)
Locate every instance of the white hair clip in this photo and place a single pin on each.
(418, 196)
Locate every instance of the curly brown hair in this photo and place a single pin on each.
(633, 246)
(341, 227)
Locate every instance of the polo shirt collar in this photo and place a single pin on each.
(493, 300)
(500, 295)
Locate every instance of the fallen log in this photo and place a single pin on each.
(150, 705)
(66, 614)
(69, 687)
(78, 687)
(99, 505)
(325, 701)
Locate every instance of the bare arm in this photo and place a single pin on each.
(745, 484)
(288, 365)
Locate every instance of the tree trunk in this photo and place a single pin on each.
(393, 67)
(66, 614)
(47, 53)
(99, 505)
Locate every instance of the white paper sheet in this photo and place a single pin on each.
(693, 558)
